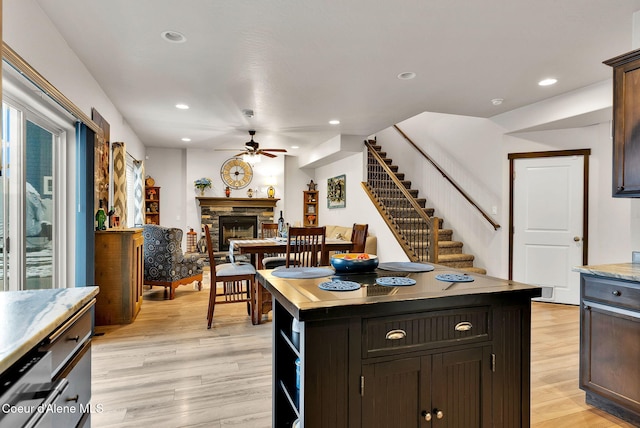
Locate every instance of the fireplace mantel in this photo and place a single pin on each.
(238, 202)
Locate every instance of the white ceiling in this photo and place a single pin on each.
(300, 63)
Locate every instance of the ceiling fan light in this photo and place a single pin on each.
(251, 158)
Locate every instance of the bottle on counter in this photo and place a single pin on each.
(101, 218)
(281, 226)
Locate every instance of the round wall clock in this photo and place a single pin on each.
(236, 173)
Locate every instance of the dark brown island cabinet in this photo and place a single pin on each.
(610, 338)
(433, 354)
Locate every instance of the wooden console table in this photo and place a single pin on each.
(119, 270)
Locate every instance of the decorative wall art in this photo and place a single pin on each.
(101, 167)
(119, 153)
(337, 192)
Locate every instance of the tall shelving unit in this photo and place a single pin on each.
(310, 208)
(152, 205)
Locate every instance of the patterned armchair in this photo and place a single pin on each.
(164, 263)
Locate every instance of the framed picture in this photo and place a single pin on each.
(337, 192)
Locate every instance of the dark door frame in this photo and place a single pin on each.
(585, 197)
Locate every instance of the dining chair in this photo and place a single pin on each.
(271, 261)
(305, 246)
(359, 237)
(237, 282)
(268, 230)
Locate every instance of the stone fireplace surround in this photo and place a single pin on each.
(212, 208)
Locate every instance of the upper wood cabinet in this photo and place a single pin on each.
(626, 124)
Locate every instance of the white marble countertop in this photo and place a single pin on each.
(27, 317)
(628, 271)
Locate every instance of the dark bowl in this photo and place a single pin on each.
(348, 263)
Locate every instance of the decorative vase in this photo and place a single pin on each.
(201, 191)
(227, 191)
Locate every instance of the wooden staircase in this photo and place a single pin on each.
(405, 222)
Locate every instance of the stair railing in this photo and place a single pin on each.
(416, 232)
(456, 186)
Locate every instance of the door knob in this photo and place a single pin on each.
(438, 413)
(426, 415)
(576, 238)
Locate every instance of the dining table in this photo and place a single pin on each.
(258, 247)
(261, 246)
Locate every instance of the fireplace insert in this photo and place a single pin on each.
(236, 227)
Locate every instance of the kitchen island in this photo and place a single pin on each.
(448, 353)
(610, 338)
(45, 356)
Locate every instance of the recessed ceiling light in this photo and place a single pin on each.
(295, 147)
(182, 106)
(173, 36)
(186, 139)
(407, 75)
(547, 82)
(334, 122)
(497, 101)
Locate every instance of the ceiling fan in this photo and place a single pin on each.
(252, 149)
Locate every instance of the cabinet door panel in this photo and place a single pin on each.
(392, 393)
(609, 364)
(626, 121)
(461, 388)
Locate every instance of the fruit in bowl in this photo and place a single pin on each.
(354, 262)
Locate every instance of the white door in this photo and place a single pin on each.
(548, 205)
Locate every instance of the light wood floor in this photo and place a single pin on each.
(167, 370)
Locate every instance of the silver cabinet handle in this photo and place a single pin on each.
(396, 334)
(463, 326)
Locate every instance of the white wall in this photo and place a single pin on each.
(474, 151)
(359, 208)
(167, 167)
(175, 170)
(609, 218)
(469, 150)
(296, 180)
(29, 32)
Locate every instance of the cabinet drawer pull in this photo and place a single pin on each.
(463, 326)
(75, 338)
(616, 293)
(396, 335)
(74, 398)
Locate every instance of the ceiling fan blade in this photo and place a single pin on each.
(274, 150)
(240, 154)
(226, 150)
(268, 154)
